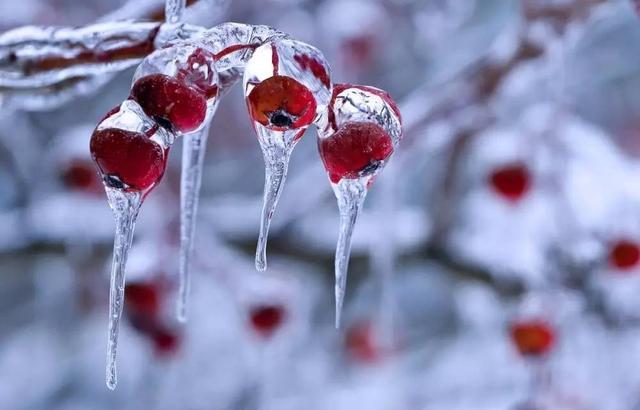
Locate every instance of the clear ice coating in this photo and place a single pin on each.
(232, 45)
(286, 85)
(41, 56)
(44, 67)
(193, 66)
(125, 202)
(358, 133)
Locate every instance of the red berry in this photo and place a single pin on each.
(127, 160)
(358, 50)
(142, 298)
(199, 73)
(354, 149)
(166, 341)
(81, 175)
(281, 103)
(532, 337)
(624, 254)
(511, 181)
(266, 319)
(171, 102)
(360, 343)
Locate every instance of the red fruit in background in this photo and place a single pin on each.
(353, 149)
(142, 298)
(624, 254)
(127, 160)
(360, 343)
(81, 175)
(358, 50)
(166, 341)
(266, 319)
(199, 73)
(170, 102)
(532, 337)
(511, 181)
(281, 103)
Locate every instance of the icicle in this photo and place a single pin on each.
(356, 137)
(173, 10)
(193, 150)
(382, 254)
(350, 194)
(125, 207)
(276, 160)
(286, 85)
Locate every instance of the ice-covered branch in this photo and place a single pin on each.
(32, 57)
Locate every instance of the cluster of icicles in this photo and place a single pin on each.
(287, 87)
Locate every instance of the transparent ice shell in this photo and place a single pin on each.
(308, 67)
(351, 103)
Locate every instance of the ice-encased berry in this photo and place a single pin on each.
(127, 160)
(169, 101)
(354, 149)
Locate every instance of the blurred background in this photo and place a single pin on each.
(496, 264)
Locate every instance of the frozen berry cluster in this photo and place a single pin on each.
(170, 96)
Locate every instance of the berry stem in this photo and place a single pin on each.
(193, 150)
(125, 207)
(276, 159)
(351, 194)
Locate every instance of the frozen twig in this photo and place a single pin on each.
(33, 57)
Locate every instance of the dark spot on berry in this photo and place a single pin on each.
(114, 182)
(281, 102)
(371, 167)
(280, 119)
(163, 122)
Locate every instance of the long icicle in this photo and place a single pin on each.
(125, 207)
(276, 160)
(173, 10)
(351, 194)
(382, 255)
(193, 150)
